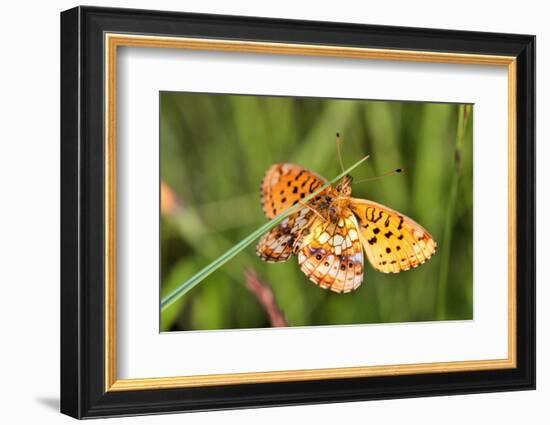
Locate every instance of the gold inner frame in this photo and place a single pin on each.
(113, 41)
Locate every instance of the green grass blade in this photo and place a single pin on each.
(228, 255)
(463, 114)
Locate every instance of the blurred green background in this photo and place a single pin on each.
(215, 150)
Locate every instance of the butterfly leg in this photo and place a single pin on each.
(300, 234)
(314, 211)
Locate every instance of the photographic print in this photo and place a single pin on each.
(366, 208)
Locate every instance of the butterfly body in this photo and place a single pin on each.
(332, 204)
(330, 232)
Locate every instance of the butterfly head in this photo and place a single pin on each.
(344, 186)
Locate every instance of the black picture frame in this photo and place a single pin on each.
(83, 392)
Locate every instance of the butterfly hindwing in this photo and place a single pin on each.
(276, 245)
(284, 185)
(392, 241)
(331, 254)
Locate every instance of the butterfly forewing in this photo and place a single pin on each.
(392, 241)
(284, 185)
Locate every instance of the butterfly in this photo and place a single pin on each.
(331, 231)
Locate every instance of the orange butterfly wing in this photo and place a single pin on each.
(331, 255)
(392, 241)
(277, 245)
(284, 185)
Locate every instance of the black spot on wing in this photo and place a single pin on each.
(378, 217)
(400, 226)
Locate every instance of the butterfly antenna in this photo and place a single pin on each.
(339, 150)
(389, 173)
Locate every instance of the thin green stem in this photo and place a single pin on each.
(463, 115)
(228, 255)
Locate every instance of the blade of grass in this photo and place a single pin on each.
(463, 114)
(228, 255)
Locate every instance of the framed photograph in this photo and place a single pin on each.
(261, 212)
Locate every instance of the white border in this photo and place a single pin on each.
(143, 352)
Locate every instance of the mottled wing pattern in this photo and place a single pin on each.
(276, 246)
(285, 185)
(392, 241)
(331, 254)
